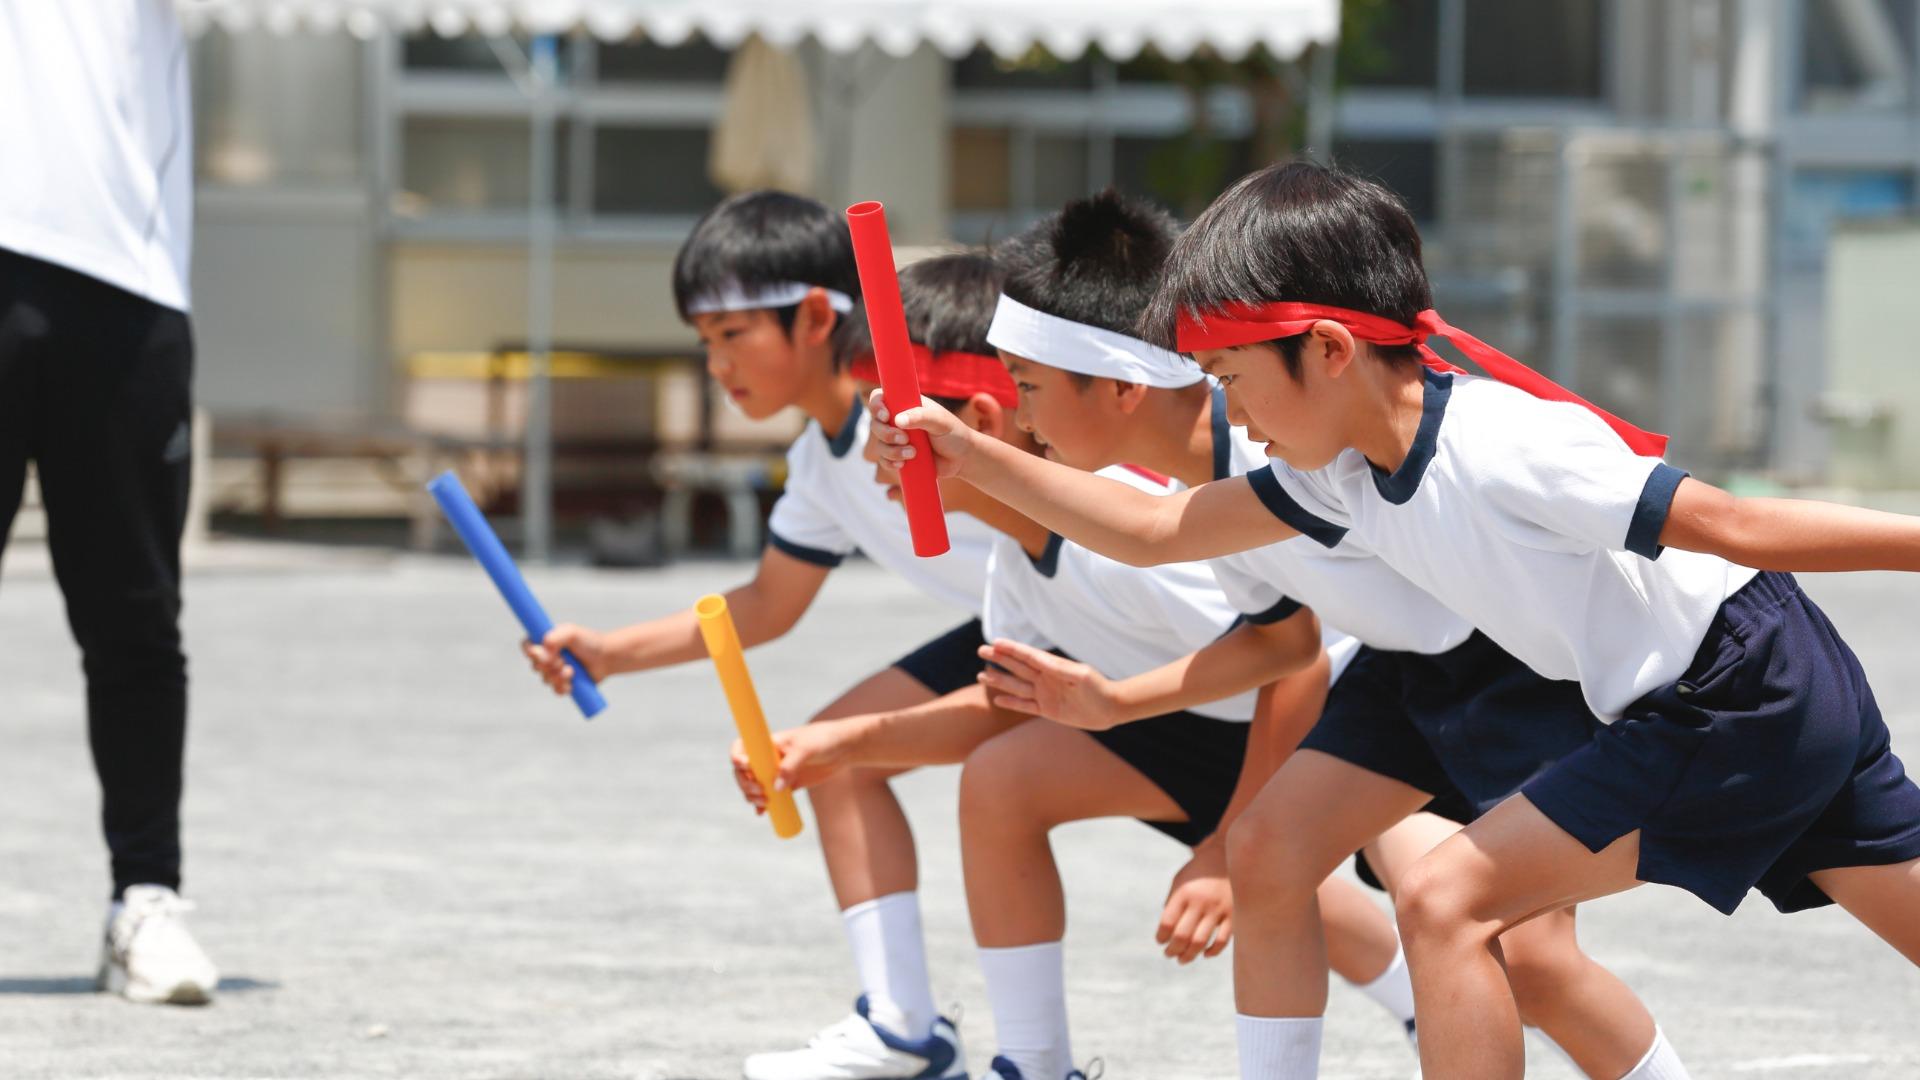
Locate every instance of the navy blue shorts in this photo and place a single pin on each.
(1195, 759)
(1766, 761)
(1468, 726)
(949, 662)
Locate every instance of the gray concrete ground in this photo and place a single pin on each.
(414, 863)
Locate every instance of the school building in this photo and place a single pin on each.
(1699, 213)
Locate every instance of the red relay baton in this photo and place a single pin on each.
(899, 385)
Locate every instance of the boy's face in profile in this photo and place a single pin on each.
(754, 359)
(1298, 419)
(1064, 416)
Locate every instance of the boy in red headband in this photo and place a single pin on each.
(1742, 746)
(1184, 771)
(1416, 715)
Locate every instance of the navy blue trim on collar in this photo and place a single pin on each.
(1048, 561)
(805, 554)
(1299, 518)
(843, 442)
(1398, 486)
(1650, 514)
(1285, 608)
(1222, 435)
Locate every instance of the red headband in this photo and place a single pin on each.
(1245, 324)
(951, 374)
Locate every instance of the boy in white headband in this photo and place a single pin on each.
(768, 281)
(1097, 397)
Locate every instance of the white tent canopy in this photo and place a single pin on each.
(1066, 28)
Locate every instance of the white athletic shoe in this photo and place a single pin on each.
(149, 956)
(858, 1049)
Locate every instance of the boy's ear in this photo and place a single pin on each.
(1331, 345)
(984, 414)
(1129, 395)
(813, 322)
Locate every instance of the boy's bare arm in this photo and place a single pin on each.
(1789, 534)
(1112, 518)
(1033, 681)
(763, 609)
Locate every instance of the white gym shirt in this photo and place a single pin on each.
(1120, 620)
(1537, 524)
(833, 506)
(96, 136)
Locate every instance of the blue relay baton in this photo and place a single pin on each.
(471, 524)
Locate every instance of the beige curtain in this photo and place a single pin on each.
(765, 136)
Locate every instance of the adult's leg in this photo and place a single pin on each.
(1884, 899)
(21, 328)
(1453, 905)
(114, 454)
(1315, 812)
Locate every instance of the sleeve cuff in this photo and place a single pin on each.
(805, 554)
(1281, 505)
(1282, 610)
(1650, 514)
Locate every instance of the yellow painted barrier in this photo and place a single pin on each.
(723, 644)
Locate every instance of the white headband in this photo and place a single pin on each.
(731, 296)
(1088, 350)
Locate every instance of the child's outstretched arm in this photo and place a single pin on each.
(939, 732)
(1789, 534)
(1036, 682)
(1103, 515)
(763, 609)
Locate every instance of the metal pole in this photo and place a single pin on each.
(536, 489)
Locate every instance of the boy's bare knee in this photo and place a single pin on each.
(1434, 901)
(1262, 862)
(992, 780)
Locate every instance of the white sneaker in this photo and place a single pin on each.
(149, 956)
(858, 1049)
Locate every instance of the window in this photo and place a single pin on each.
(1818, 199)
(1391, 44)
(1408, 166)
(1857, 54)
(256, 123)
(981, 69)
(1068, 130)
(631, 144)
(651, 170)
(1529, 49)
(457, 164)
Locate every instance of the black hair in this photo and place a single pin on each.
(1097, 261)
(761, 238)
(950, 301)
(1297, 232)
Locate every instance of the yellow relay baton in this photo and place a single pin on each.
(723, 644)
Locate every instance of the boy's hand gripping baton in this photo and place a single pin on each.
(892, 354)
(723, 644)
(479, 537)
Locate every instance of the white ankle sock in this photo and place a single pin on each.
(891, 956)
(1661, 1062)
(1279, 1048)
(1393, 990)
(1027, 987)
